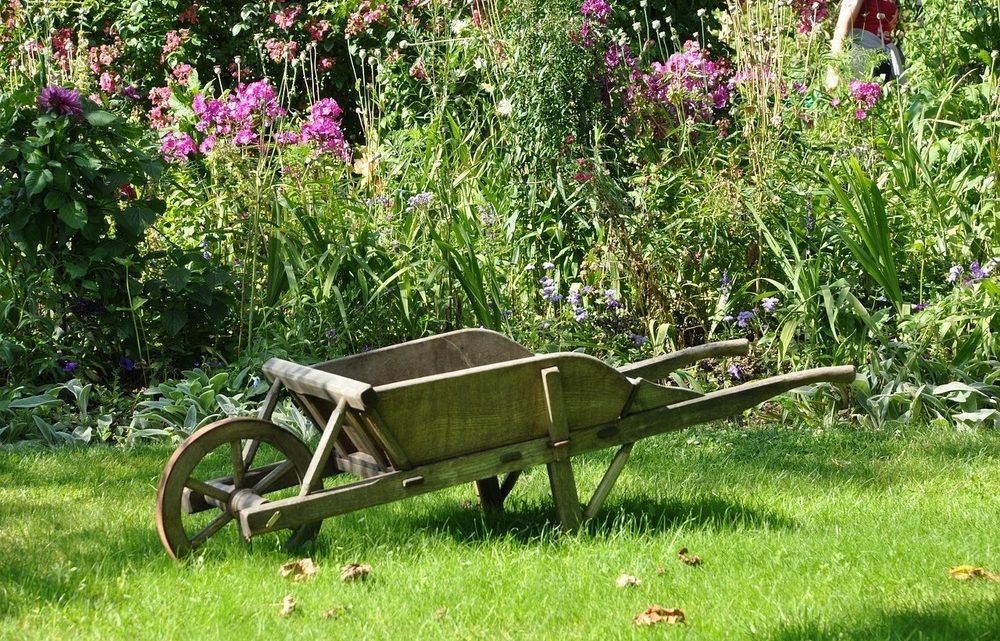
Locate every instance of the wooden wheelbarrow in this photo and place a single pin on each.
(466, 406)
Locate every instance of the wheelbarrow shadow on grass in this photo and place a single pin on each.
(529, 521)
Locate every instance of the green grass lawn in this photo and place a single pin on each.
(804, 535)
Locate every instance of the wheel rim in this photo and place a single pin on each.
(219, 469)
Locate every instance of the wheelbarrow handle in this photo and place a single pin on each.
(659, 367)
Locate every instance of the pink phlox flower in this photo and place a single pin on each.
(597, 9)
(286, 17)
(176, 146)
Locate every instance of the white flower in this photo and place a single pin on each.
(635, 26)
(668, 19)
(478, 63)
(701, 13)
(458, 25)
(505, 107)
(661, 35)
(655, 24)
(631, 12)
(487, 87)
(643, 4)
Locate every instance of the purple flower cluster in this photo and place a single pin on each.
(611, 299)
(769, 304)
(176, 146)
(597, 9)
(865, 95)
(976, 271)
(59, 101)
(550, 290)
(690, 84)
(743, 318)
(323, 129)
(422, 200)
(576, 300)
(249, 109)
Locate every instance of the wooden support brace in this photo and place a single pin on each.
(488, 491)
(561, 479)
(314, 474)
(608, 481)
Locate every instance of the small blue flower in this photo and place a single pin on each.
(548, 265)
(127, 364)
(735, 371)
(955, 272)
(744, 317)
(724, 281)
(769, 303)
(579, 314)
(638, 339)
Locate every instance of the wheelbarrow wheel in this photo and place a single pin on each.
(221, 469)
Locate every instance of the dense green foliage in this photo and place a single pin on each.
(335, 176)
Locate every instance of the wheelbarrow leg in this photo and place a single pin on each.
(490, 497)
(561, 479)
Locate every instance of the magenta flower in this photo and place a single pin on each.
(59, 101)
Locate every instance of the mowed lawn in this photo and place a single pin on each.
(804, 534)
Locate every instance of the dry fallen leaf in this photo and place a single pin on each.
(440, 613)
(354, 572)
(659, 614)
(966, 572)
(287, 606)
(627, 581)
(301, 570)
(690, 559)
(661, 570)
(335, 613)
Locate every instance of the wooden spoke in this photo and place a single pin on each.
(217, 524)
(206, 489)
(237, 442)
(263, 486)
(249, 452)
(236, 448)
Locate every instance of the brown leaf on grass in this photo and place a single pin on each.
(658, 614)
(300, 570)
(440, 613)
(661, 570)
(690, 559)
(355, 572)
(627, 581)
(335, 613)
(966, 572)
(287, 606)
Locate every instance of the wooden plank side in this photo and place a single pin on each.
(449, 415)
(439, 354)
(649, 395)
(659, 367)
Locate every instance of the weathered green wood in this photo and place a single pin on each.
(648, 395)
(659, 367)
(458, 350)
(314, 382)
(511, 458)
(447, 415)
(395, 452)
(608, 481)
(560, 469)
(320, 457)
